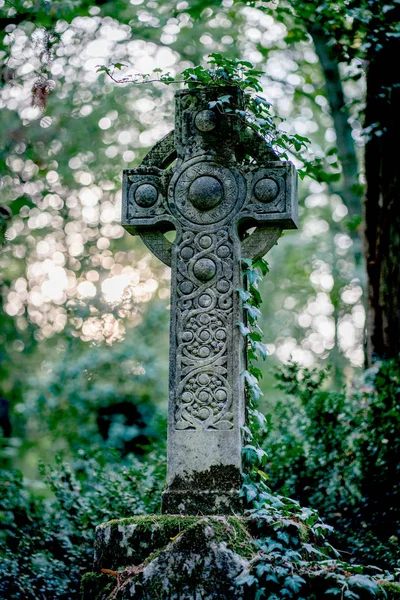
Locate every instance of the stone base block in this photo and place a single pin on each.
(215, 491)
(169, 557)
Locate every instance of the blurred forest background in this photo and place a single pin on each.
(85, 307)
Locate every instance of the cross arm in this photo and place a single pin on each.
(144, 200)
(271, 195)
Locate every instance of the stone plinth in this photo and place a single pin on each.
(174, 557)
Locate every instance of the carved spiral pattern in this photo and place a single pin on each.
(204, 324)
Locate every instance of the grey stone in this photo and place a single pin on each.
(174, 557)
(211, 195)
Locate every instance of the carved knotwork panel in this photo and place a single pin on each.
(204, 326)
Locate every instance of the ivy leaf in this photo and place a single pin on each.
(244, 294)
(120, 66)
(249, 378)
(255, 455)
(224, 99)
(263, 475)
(251, 355)
(247, 261)
(257, 393)
(362, 581)
(253, 312)
(252, 276)
(246, 579)
(255, 295)
(250, 490)
(261, 100)
(261, 264)
(255, 336)
(244, 330)
(262, 349)
(255, 371)
(294, 582)
(259, 418)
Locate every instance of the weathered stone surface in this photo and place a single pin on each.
(174, 557)
(211, 195)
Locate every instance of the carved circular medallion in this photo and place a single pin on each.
(205, 241)
(223, 286)
(205, 335)
(220, 395)
(187, 252)
(187, 397)
(204, 269)
(266, 190)
(223, 251)
(203, 379)
(204, 352)
(186, 287)
(146, 195)
(205, 193)
(205, 300)
(220, 334)
(204, 319)
(205, 120)
(204, 396)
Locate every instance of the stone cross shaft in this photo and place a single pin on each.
(211, 180)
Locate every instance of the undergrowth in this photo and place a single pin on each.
(295, 560)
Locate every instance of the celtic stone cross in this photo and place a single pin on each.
(212, 180)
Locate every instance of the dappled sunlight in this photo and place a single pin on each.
(68, 233)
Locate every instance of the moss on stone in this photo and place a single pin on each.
(217, 477)
(123, 542)
(237, 537)
(215, 491)
(96, 586)
(155, 538)
(391, 589)
(136, 540)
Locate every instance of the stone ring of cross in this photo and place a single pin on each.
(228, 196)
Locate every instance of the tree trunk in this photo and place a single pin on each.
(382, 200)
(340, 115)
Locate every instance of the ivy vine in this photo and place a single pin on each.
(257, 113)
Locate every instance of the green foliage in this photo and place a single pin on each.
(257, 114)
(46, 545)
(340, 453)
(71, 394)
(295, 559)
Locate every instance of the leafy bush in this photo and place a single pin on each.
(46, 545)
(340, 453)
(295, 559)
